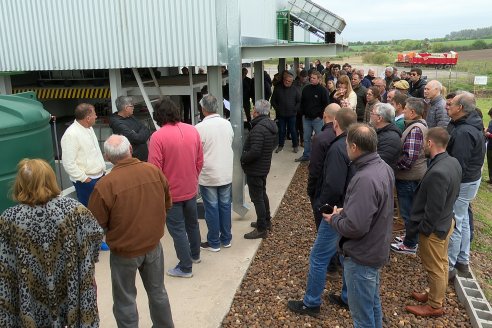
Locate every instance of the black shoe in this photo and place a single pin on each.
(463, 268)
(268, 223)
(337, 300)
(279, 149)
(299, 307)
(302, 159)
(255, 234)
(451, 276)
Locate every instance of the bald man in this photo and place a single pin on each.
(436, 115)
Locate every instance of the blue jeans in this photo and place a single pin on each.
(405, 189)
(310, 125)
(151, 269)
(325, 246)
(459, 243)
(84, 190)
(290, 123)
(182, 224)
(217, 204)
(363, 294)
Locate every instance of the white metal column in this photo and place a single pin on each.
(145, 96)
(214, 83)
(115, 87)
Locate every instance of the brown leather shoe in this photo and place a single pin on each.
(425, 310)
(421, 297)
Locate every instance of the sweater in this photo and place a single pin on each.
(177, 150)
(314, 99)
(82, 157)
(47, 265)
(217, 136)
(130, 203)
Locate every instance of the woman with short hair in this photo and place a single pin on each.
(49, 245)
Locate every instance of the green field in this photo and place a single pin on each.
(399, 45)
(485, 104)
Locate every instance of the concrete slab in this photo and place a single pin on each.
(205, 299)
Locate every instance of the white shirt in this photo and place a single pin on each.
(216, 135)
(81, 155)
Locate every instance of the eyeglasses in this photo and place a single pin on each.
(413, 74)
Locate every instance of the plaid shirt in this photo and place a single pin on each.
(411, 149)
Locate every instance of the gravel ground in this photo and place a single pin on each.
(278, 274)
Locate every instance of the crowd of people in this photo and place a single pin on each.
(368, 141)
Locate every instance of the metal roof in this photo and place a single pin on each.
(94, 34)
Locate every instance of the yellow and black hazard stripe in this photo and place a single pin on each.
(67, 93)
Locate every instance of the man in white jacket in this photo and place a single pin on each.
(81, 154)
(215, 179)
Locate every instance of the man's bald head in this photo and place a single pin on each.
(330, 112)
(117, 148)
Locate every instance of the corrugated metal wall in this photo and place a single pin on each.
(102, 34)
(259, 18)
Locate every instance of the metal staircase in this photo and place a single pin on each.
(314, 18)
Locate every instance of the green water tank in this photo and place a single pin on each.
(24, 133)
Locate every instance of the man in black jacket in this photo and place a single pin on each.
(333, 182)
(431, 219)
(314, 100)
(124, 123)
(256, 161)
(417, 84)
(286, 100)
(361, 92)
(321, 144)
(389, 136)
(467, 145)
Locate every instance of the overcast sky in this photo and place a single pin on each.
(407, 19)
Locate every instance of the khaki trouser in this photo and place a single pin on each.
(433, 253)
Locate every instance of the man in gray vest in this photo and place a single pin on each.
(410, 168)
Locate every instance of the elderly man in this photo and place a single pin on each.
(389, 135)
(467, 145)
(216, 177)
(367, 80)
(286, 100)
(381, 85)
(410, 168)
(432, 219)
(124, 123)
(364, 225)
(177, 150)
(390, 77)
(331, 192)
(256, 161)
(436, 115)
(417, 84)
(82, 157)
(130, 204)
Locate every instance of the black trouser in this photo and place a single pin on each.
(489, 159)
(299, 127)
(259, 197)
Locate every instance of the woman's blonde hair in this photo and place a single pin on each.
(35, 183)
(344, 79)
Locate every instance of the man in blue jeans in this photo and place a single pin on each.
(410, 168)
(215, 180)
(336, 174)
(467, 145)
(364, 224)
(314, 99)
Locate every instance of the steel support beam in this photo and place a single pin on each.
(259, 81)
(214, 81)
(115, 87)
(5, 85)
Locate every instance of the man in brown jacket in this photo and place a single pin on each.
(130, 204)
